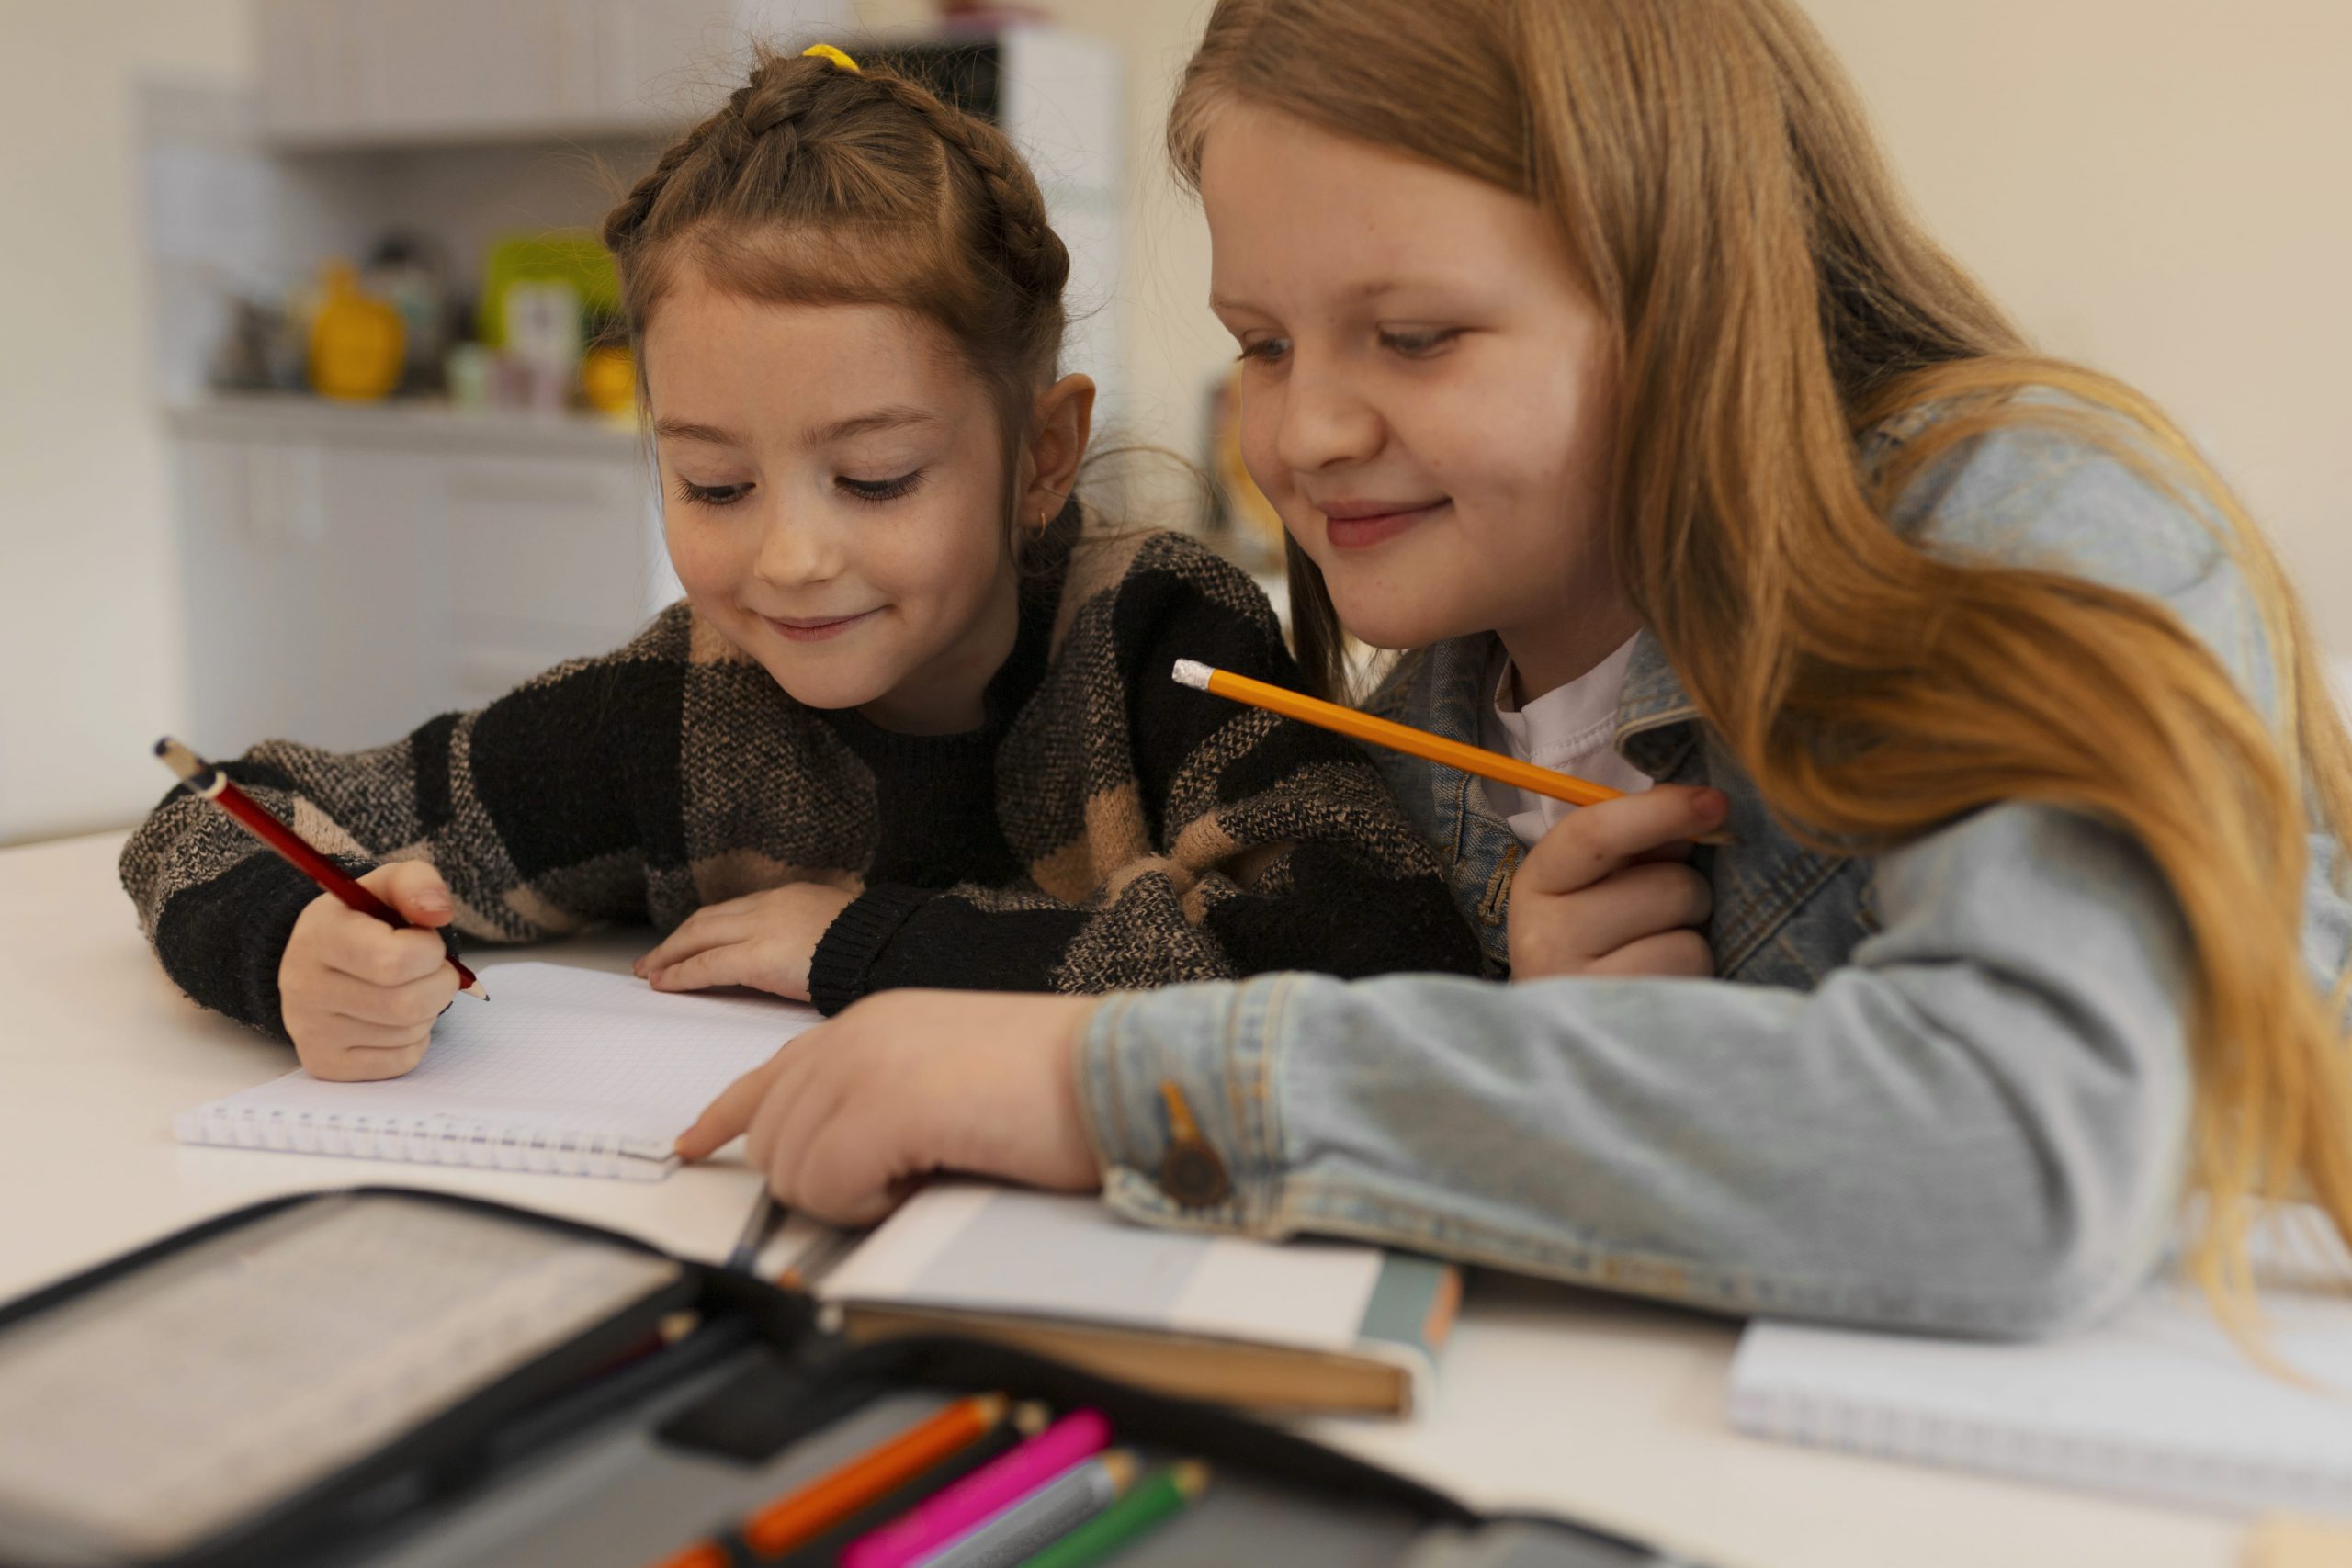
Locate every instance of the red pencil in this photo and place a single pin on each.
(208, 782)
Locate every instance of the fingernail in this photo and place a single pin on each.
(1713, 805)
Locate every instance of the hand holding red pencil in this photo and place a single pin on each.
(362, 979)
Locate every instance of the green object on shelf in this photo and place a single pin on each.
(1132, 1517)
(558, 255)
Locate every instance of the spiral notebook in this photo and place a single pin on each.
(570, 1071)
(2157, 1404)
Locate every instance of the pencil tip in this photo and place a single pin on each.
(1192, 672)
(476, 991)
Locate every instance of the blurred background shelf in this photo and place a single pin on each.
(405, 423)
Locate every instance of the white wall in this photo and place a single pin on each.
(2163, 189)
(89, 636)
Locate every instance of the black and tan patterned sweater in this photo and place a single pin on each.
(1105, 829)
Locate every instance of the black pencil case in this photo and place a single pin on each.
(718, 1392)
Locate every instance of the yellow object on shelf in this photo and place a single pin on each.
(356, 341)
(608, 380)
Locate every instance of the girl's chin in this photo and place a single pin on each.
(827, 690)
(1395, 626)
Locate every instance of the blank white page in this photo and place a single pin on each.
(2157, 1401)
(567, 1052)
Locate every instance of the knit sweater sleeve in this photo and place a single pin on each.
(1217, 840)
(539, 811)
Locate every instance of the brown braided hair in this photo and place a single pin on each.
(814, 185)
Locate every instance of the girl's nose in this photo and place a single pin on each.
(796, 552)
(1324, 424)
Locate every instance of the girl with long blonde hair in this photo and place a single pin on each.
(1590, 355)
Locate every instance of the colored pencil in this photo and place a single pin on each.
(207, 783)
(1396, 737)
(754, 1234)
(1051, 1512)
(1166, 1492)
(925, 1529)
(701, 1554)
(799, 1516)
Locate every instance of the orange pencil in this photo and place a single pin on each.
(1398, 736)
(798, 1518)
(828, 1500)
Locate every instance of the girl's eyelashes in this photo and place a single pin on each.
(711, 495)
(880, 490)
(1412, 342)
(1418, 342)
(858, 489)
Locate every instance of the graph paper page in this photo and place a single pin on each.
(575, 1052)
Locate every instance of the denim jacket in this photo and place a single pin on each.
(1944, 1088)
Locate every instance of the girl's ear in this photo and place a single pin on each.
(1059, 424)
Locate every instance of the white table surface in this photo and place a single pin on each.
(1550, 1398)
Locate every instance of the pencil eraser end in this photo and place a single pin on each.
(1192, 672)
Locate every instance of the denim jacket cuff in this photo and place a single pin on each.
(1216, 1045)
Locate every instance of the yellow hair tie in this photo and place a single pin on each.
(827, 51)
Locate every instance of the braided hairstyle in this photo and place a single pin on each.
(816, 185)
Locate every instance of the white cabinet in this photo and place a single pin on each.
(389, 72)
(549, 559)
(349, 572)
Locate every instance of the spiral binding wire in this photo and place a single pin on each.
(422, 1141)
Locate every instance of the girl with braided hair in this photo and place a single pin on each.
(912, 724)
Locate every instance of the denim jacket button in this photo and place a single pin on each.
(1190, 1172)
(1193, 1177)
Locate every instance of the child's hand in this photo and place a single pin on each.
(847, 1116)
(765, 940)
(358, 996)
(1605, 892)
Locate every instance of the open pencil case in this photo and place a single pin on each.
(401, 1378)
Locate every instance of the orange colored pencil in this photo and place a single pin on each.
(701, 1554)
(1398, 736)
(800, 1517)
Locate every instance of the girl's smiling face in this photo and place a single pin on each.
(1426, 396)
(832, 481)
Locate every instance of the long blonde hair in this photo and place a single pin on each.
(1722, 198)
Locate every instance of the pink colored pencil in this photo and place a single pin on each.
(982, 1494)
